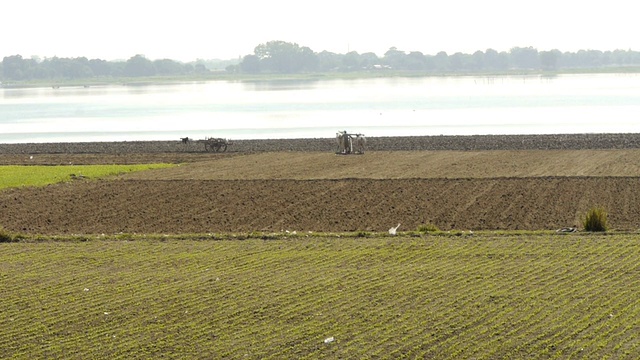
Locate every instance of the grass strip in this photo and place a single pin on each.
(19, 175)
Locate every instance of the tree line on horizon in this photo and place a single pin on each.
(17, 68)
(285, 57)
(281, 57)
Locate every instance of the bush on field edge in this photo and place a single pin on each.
(6, 236)
(595, 220)
(425, 228)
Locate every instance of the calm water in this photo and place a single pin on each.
(594, 103)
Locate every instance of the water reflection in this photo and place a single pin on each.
(15, 93)
(458, 105)
(53, 91)
(279, 85)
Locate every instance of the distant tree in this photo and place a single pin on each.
(101, 67)
(441, 61)
(309, 59)
(65, 68)
(504, 60)
(549, 59)
(524, 58)
(415, 60)
(395, 58)
(493, 61)
(117, 68)
(168, 67)
(429, 63)
(250, 64)
(56, 67)
(285, 57)
(461, 62)
(232, 69)
(351, 61)
(368, 60)
(199, 68)
(16, 68)
(139, 66)
(78, 68)
(625, 57)
(590, 58)
(477, 61)
(328, 61)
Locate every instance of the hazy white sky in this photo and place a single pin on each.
(186, 30)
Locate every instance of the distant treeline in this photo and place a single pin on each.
(284, 57)
(18, 68)
(280, 57)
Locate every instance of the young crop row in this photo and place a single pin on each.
(39, 175)
(419, 297)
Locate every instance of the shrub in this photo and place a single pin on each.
(595, 220)
(5, 236)
(428, 228)
(363, 234)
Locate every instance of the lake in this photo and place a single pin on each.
(446, 105)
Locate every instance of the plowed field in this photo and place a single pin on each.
(319, 191)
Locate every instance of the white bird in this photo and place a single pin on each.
(392, 231)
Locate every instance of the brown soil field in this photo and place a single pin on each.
(473, 183)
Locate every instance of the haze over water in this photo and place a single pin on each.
(460, 105)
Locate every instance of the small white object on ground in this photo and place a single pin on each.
(392, 231)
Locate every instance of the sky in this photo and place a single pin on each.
(188, 30)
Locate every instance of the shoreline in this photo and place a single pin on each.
(316, 76)
(396, 143)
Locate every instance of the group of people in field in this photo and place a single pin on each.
(350, 143)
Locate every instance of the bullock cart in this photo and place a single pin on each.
(210, 144)
(216, 144)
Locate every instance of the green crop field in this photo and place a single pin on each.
(19, 175)
(488, 296)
